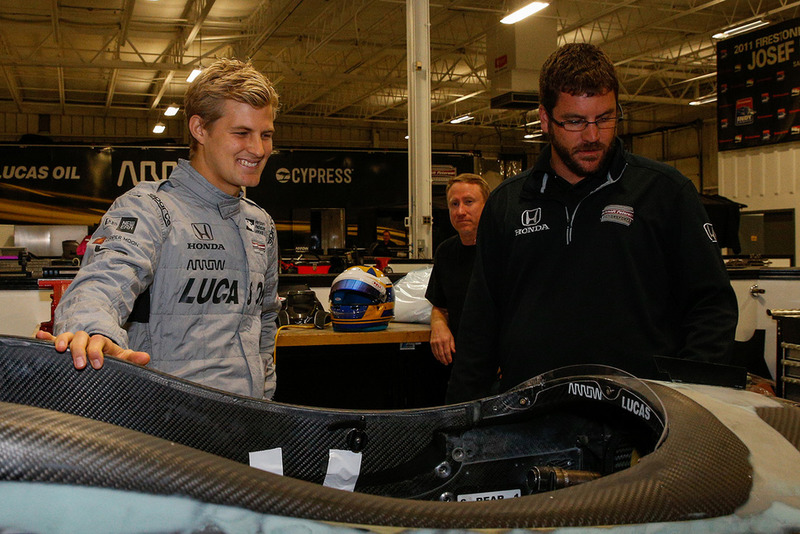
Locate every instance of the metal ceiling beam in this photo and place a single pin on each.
(396, 73)
(8, 60)
(127, 15)
(585, 21)
(368, 53)
(265, 21)
(205, 9)
(55, 17)
(112, 84)
(122, 38)
(645, 99)
(9, 76)
(162, 89)
(368, 73)
(62, 93)
(347, 59)
(176, 49)
(330, 21)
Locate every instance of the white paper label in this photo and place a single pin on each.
(269, 460)
(343, 469)
(489, 496)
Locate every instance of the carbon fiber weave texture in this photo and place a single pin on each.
(784, 419)
(67, 449)
(213, 421)
(700, 471)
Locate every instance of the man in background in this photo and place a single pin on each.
(452, 263)
(383, 248)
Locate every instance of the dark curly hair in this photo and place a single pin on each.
(576, 69)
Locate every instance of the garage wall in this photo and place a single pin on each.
(117, 128)
(692, 149)
(762, 178)
(81, 128)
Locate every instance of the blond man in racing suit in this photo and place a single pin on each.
(183, 274)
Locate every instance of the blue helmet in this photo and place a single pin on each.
(362, 299)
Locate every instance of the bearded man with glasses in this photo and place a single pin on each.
(592, 256)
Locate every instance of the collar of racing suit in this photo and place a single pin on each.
(195, 182)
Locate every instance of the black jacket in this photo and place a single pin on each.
(619, 268)
(447, 287)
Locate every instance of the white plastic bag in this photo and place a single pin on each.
(410, 304)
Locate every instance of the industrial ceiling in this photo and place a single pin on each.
(344, 59)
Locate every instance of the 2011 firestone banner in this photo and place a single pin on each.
(758, 87)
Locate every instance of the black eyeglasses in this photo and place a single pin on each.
(579, 125)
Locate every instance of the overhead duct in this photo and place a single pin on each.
(515, 54)
(515, 100)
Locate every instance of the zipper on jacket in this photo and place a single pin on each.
(571, 219)
(569, 223)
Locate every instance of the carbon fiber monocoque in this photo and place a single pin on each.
(582, 423)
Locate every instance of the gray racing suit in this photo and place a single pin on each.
(201, 267)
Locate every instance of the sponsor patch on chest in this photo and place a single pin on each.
(259, 247)
(256, 226)
(617, 213)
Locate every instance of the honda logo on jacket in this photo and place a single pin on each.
(530, 222)
(531, 217)
(202, 231)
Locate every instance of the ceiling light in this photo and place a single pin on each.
(524, 12)
(462, 118)
(159, 128)
(194, 74)
(706, 100)
(532, 135)
(171, 111)
(740, 29)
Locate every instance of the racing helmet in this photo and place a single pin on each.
(362, 299)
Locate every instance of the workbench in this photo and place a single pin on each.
(394, 333)
(385, 369)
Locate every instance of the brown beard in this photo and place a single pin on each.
(572, 164)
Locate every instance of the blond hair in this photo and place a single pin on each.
(469, 178)
(227, 79)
